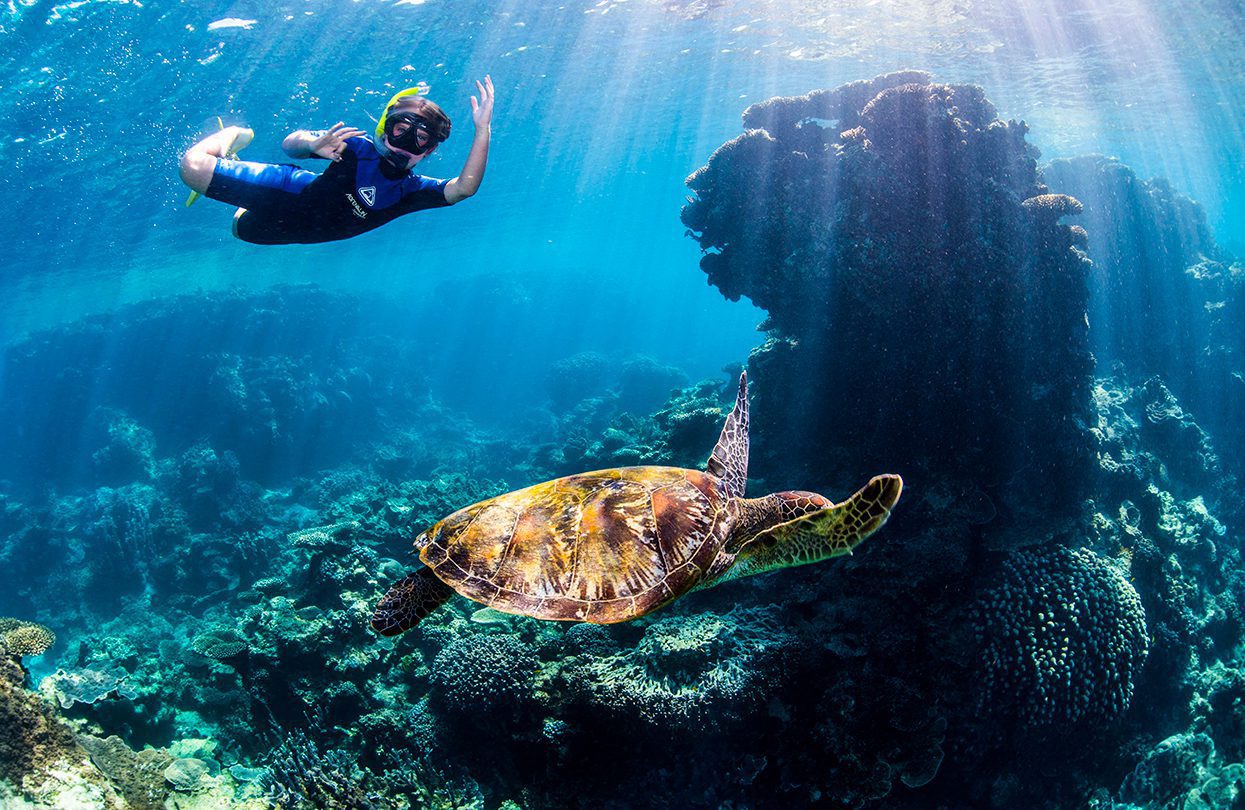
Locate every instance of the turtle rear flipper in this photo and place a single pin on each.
(813, 534)
(409, 601)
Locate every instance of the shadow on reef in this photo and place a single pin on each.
(1052, 618)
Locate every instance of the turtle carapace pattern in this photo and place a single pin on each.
(612, 545)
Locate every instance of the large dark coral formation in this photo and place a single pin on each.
(137, 775)
(1063, 639)
(39, 754)
(921, 292)
(1163, 291)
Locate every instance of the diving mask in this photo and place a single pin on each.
(410, 132)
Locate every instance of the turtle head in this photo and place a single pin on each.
(786, 529)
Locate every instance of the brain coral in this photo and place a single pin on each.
(1063, 635)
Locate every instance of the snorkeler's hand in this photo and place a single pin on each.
(482, 108)
(332, 142)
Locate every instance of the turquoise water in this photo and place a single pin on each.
(1051, 618)
(602, 111)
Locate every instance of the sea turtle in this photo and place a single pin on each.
(613, 545)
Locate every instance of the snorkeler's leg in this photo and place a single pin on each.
(199, 162)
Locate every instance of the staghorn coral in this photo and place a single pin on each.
(304, 775)
(1063, 637)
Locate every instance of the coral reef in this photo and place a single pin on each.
(912, 263)
(1055, 618)
(484, 678)
(1063, 639)
(275, 395)
(690, 672)
(39, 755)
(19, 638)
(1163, 291)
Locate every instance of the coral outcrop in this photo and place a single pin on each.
(1063, 639)
(19, 638)
(39, 756)
(690, 672)
(921, 291)
(485, 677)
(1163, 291)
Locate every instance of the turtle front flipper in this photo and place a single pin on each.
(796, 528)
(409, 601)
(729, 459)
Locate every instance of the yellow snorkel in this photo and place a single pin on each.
(420, 89)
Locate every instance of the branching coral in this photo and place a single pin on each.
(485, 675)
(20, 638)
(303, 775)
(1063, 637)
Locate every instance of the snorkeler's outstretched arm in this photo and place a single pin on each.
(468, 180)
(326, 143)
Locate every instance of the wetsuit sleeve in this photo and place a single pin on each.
(420, 192)
(359, 144)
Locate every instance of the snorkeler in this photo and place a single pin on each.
(368, 183)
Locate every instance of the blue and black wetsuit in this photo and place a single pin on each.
(285, 204)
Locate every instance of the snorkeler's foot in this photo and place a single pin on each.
(236, 139)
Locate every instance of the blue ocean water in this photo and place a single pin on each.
(185, 410)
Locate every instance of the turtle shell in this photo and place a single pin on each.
(600, 547)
